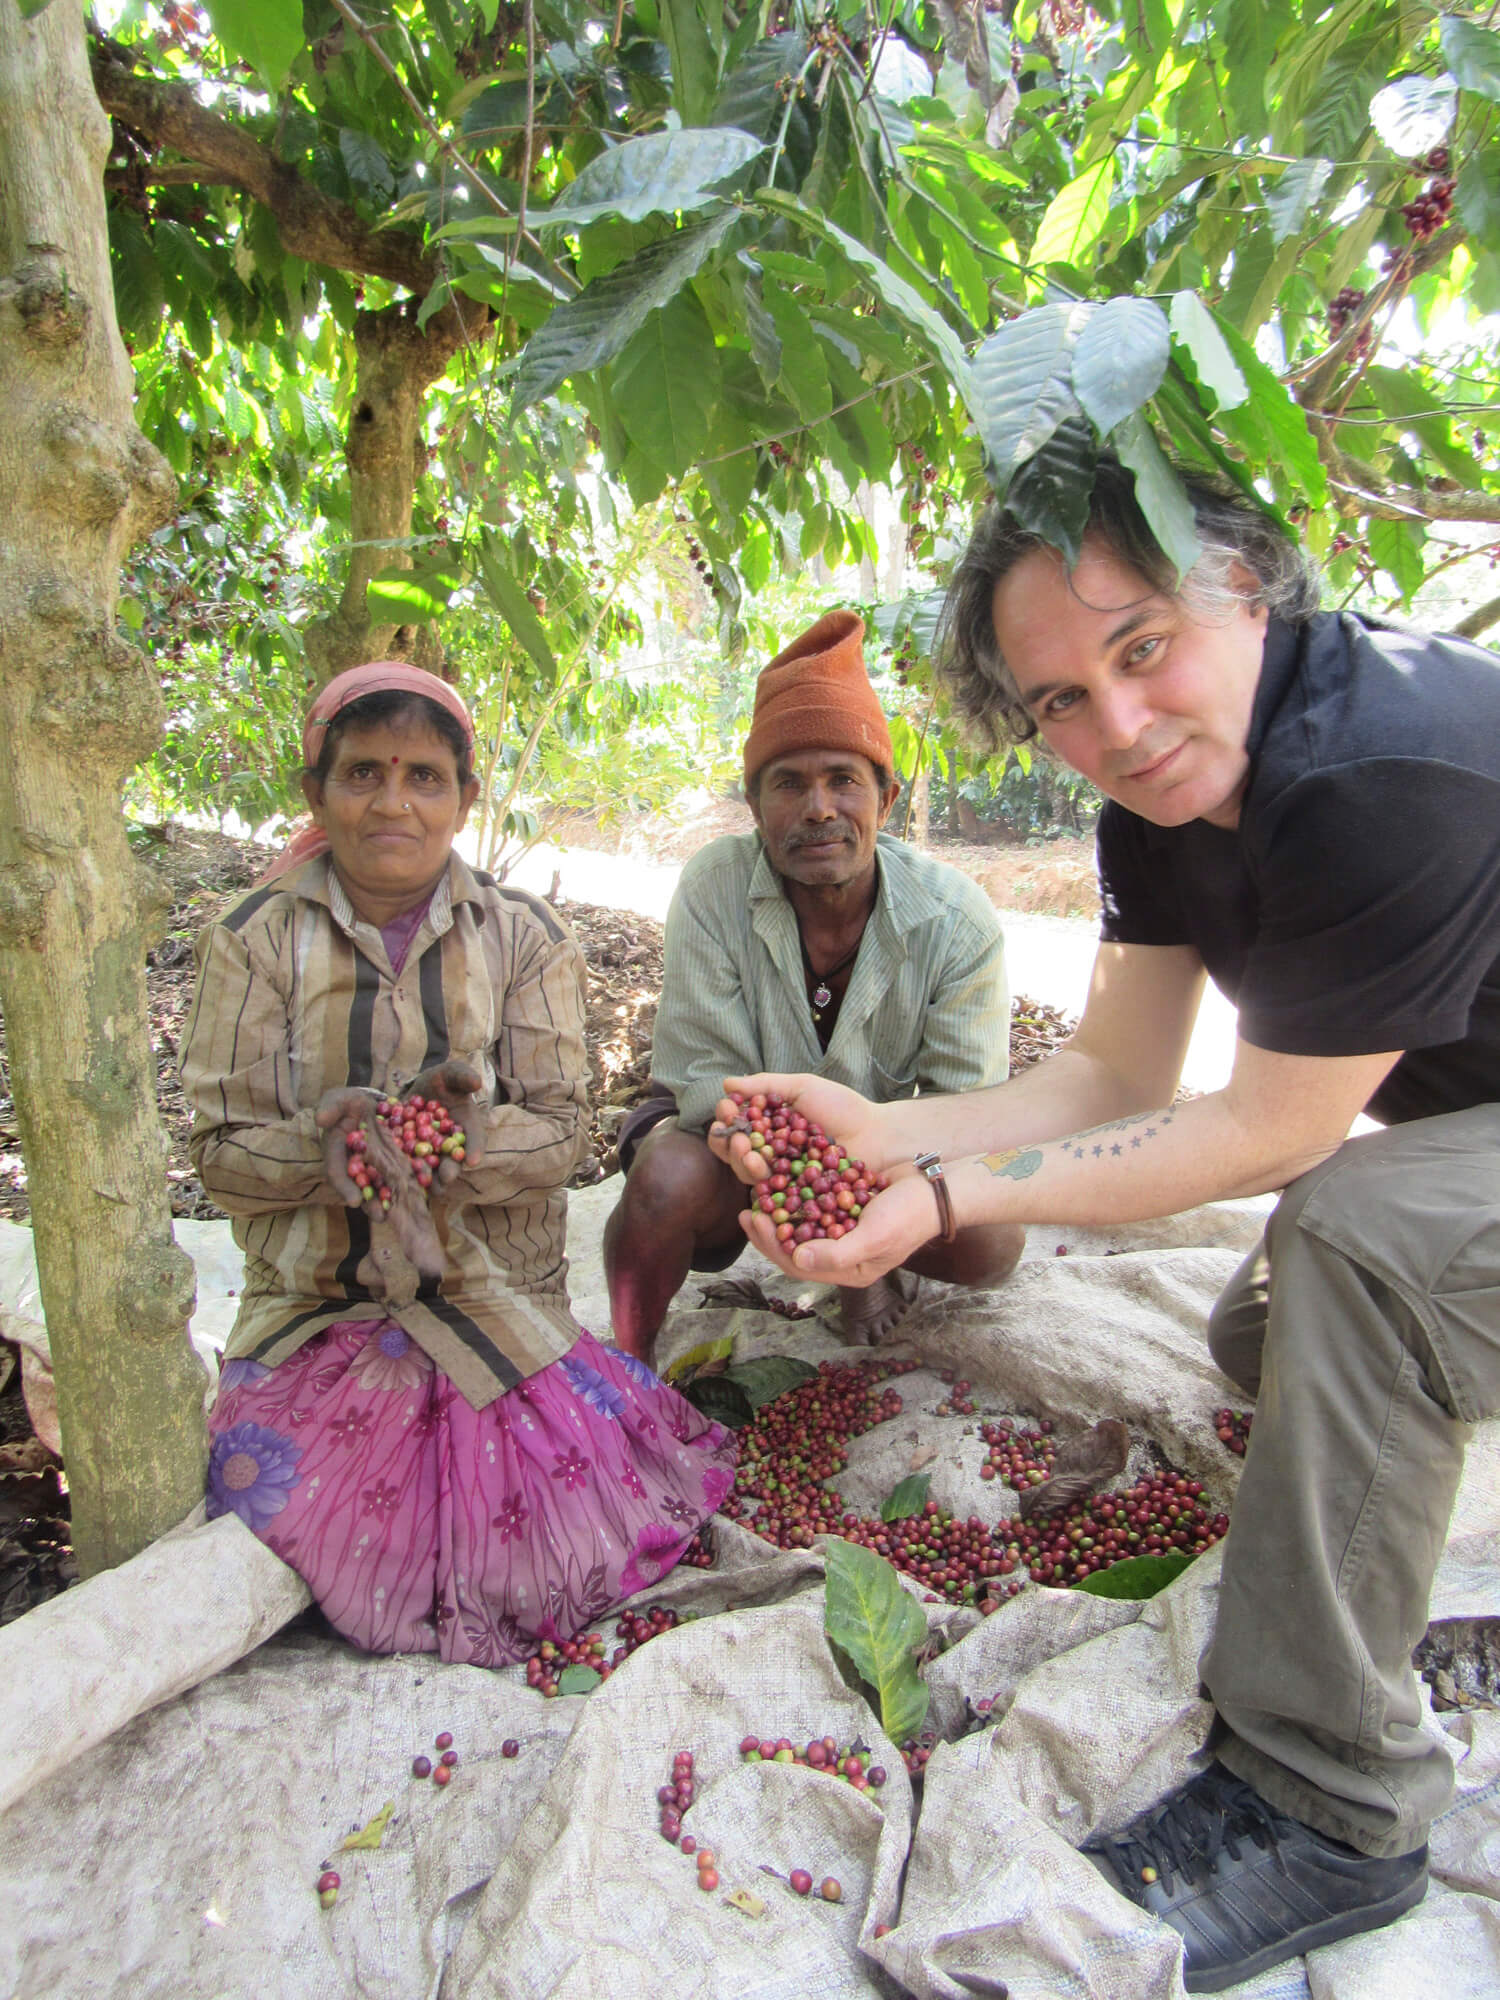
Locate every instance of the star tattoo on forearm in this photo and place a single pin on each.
(1019, 1163)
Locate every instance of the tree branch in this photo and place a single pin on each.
(1478, 621)
(310, 224)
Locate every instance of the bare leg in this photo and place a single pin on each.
(981, 1258)
(678, 1201)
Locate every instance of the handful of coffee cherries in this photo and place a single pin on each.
(420, 1127)
(814, 1188)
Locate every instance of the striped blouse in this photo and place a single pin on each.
(296, 995)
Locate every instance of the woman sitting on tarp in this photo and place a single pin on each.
(408, 1413)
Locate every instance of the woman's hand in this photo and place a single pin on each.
(843, 1114)
(895, 1223)
(455, 1085)
(341, 1111)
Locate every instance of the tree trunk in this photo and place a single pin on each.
(78, 708)
(396, 364)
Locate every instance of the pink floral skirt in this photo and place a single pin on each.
(423, 1525)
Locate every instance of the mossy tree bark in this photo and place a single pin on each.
(396, 363)
(78, 708)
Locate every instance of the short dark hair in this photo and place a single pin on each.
(1231, 529)
(884, 776)
(396, 705)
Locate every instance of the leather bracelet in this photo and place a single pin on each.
(930, 1166)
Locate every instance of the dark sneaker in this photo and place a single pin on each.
(1244, 1885)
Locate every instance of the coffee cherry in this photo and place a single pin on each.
(708, 1879)
(421, 1767)
(444, 1740)
(328, 1897)
(442, 1775)
(830, 1890)
(329, 1879)
(800, 1881)
(510, 1747)
(450, 1758)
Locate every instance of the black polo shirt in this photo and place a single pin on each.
(1356, 907)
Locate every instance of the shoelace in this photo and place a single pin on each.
(1187, 1834)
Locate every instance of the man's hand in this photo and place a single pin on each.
(895, 1223)
(455, 1085)
(843, 1114)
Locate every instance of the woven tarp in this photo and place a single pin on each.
(180, 1752)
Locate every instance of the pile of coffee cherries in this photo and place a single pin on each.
(553, 1656)
(1157, 1515)
(1233, 1427)
(674, 1800)
(823, 1753)
(447, 1762)
(420, 1127)
(1429, 211)
(796, 1441)
(814, 1188)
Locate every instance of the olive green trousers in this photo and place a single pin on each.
(1367, 1327)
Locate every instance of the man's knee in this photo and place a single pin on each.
(674, 1178)
(980, 1258)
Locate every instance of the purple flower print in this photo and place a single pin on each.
(571, 1468)
(656, 1550)
(241, 1374)
(511, 1519)
(251, 1472)
(591, 1388)
(390, 1360)
(679, 1510)
(717, 1482)
(630, 1479)
(381, 1500)
(642, 1376)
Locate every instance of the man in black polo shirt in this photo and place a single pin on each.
(1305, 807)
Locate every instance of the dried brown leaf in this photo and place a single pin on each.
(1083, 1464)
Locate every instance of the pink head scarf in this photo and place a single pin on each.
(379, 677)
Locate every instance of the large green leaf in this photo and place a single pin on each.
(1411, 404)
(1252, 29)
(368, 168)
(1195, 328)
(1414, 114)
(768, 1376)
(804, 369)
(1478, 196)
(506, 592)
(1050, 494)
(1119, 360)
(1023, 385)
(660, 173)
(667, 384)
(1137, 1577)
(1291, 196)
(1397, 547)
(909, 307)
(594, 327)
(1075, 217)
(1272, 424)
(868, 1616)
(695, 66)
(267, 34)
(412, 596)
(1168, 511)
(909, 1496)
(751, 96)
(1473, 55)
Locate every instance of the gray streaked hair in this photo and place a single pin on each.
(1232, 530)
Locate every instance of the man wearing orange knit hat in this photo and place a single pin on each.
(815, 944)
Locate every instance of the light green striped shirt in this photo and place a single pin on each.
(927, 1006)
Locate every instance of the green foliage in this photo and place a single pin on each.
(743, 275)
(870, 1618)
(1137, 1577)
(907, 1498)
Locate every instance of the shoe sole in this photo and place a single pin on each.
(1330, 1931)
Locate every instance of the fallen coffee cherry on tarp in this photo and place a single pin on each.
(1233, 1427)
(814, 1189)
(836, 1760)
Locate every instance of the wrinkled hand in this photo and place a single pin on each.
(895, 1222)
(340, 1112)
(410, 1221)
(843, 1114)
(455, 1085)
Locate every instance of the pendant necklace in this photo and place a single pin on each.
(820, 989)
